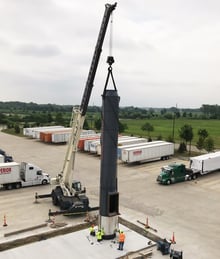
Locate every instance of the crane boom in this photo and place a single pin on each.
(78, 115)
(98, 49)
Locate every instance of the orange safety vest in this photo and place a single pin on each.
(121, 237)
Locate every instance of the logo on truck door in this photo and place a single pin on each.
(6, 170)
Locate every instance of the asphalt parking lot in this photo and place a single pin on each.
(190, 209)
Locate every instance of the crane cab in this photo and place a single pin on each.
(77, 187)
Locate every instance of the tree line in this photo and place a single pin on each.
(17, 115)
(186, 134)
(206, 111)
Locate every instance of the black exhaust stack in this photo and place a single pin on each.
(109, 196)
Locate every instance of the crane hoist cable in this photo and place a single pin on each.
(110, 34)
(110, 58)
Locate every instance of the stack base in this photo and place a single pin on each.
(109, 225)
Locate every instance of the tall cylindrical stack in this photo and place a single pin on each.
(109, 197)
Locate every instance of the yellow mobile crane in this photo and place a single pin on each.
(68, 194)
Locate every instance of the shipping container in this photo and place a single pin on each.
(34, 132)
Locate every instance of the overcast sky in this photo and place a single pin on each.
(167, 53)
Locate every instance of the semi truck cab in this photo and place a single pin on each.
(33, 175)
(174, 173)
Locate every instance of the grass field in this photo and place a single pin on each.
(164, 128)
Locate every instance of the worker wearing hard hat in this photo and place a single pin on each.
(121, 240)
(92, 230)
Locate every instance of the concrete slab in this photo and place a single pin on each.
(80, 245)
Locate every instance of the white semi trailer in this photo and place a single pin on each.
(17, 175)
(206, 163)
(148, 152)
(122, 142)
(146, 143)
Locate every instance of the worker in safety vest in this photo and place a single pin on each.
(92, 230)
(102, 232)
(99, 236)
(121, 240)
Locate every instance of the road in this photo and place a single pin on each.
(190, 210)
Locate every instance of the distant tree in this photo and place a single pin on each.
(170, 139)
(163, 111)
(98, 124)
(200, 143)
(177, 114)
(186, 133)
(26, 125)
(203, 134)
(86, 125)
(159, 137)
(147, 127)
(3, 118)
(209, 144)
(49, 117)
(59, 120)
(17, 129)
(168, 116)
(182, 147)
(122, 127)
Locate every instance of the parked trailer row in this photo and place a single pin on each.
(124, 142)
(53, 134)
(93, 145)
(34, 132)
(148, 152)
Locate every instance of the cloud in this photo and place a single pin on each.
(165, 51)
(38, 51)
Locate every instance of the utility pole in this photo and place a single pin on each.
(174, 118)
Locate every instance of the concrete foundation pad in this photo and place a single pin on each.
(81, 245)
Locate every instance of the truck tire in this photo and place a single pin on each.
(168, 182)
(189, 178)
(194, 176)
(9, 187)
(44, 182)
(17, 185)
(54, 198)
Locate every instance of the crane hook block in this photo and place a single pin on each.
(110, 60)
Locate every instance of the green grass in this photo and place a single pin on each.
(164, 128)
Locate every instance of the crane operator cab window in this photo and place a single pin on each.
(77, 186)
